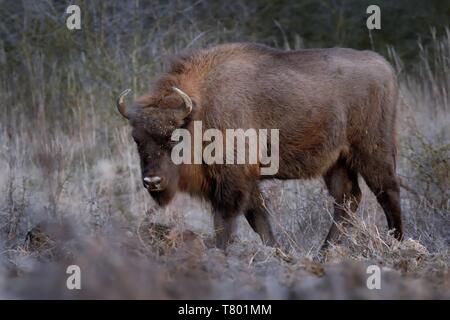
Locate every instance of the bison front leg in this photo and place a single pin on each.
(223, 228)
(258, 218)
(342, 184)
(230, 195)
(259, 221)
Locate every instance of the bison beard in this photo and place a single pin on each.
(162, 198)
(335, 110)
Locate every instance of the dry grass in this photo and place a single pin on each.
(70, 190)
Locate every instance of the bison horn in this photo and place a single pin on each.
(187, 102)
(121, 104)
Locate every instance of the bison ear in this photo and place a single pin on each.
(186, 109)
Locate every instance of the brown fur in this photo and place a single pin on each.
(335, 109)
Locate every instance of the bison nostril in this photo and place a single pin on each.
(152, 183)
(146, 182)
(155, 180)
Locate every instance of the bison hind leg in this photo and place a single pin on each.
(342, 184)
(380, 177)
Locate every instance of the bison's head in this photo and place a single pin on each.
(153, 120)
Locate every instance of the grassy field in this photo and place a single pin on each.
(70, 190)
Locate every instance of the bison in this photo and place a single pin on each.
(335, 110)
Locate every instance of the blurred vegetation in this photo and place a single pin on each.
(123, 43)
(321, 23)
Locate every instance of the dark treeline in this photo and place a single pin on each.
(282, 23)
